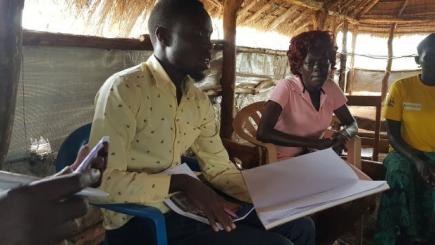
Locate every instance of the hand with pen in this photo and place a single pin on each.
(216, 209)
(44, 211)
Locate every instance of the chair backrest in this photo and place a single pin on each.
(246, 122)
(373, 101)
(71, 145)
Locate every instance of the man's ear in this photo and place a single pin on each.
(417, 60)
(163, 36)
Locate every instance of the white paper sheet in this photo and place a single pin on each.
(303, 185)
(181, 169)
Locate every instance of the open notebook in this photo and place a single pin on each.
(300, 186)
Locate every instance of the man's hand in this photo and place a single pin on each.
(43, 212)
(205, 199)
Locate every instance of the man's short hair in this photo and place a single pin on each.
(166, 12)
(425, 43)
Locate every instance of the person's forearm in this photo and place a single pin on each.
(279, 138)
(396, 140)
(406, 150)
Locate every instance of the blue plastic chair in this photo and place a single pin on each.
(67, 154)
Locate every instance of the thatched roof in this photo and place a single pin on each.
(287, 16)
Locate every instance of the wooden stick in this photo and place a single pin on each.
(10, 67)
(389, 62)
(352, 61)
(343, 57)
(229, 66)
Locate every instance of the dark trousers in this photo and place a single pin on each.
(185, 231)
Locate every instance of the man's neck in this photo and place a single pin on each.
(427, 79)
(177, 77)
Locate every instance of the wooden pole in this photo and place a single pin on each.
(10, 65)
(321, 17)
(351, 80)
(343, 57)
(389, 62)
(229, 66)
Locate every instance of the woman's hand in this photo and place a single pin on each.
(339, 142)
(426, 171)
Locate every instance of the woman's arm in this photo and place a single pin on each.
(267, 133)
(350, 127)
(413, 155)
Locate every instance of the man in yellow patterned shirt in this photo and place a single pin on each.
(153, 113)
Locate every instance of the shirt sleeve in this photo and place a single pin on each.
(392, 108)
(339, 98)
(115, 108)
(214, 160)
(281, 93)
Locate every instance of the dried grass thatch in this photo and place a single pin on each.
(289, 17)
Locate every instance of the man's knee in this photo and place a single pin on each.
(275, 239)
(300, 232)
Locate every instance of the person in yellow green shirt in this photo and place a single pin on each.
(153, 113)
(407, 210)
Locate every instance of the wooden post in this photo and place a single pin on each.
(229, 66)
(389, 62)
(343, 57)
(351, 79)
(10, 65)
(320, 19)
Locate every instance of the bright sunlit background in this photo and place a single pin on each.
(52, 16)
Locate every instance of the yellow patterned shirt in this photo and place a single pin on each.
(149, 131)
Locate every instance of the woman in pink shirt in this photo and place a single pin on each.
(300, 108)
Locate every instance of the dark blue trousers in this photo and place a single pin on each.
(185, 231)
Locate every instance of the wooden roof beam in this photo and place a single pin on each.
(360, 7)
(314, 5)
(257, 14)
(282, 18)
(393, 20)
(402, 9)
(216, 3)
(245, 10)
(301, 28)
(307, 4)
(367, 8)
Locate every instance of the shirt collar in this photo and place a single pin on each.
(161, 78)
(301, 86)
